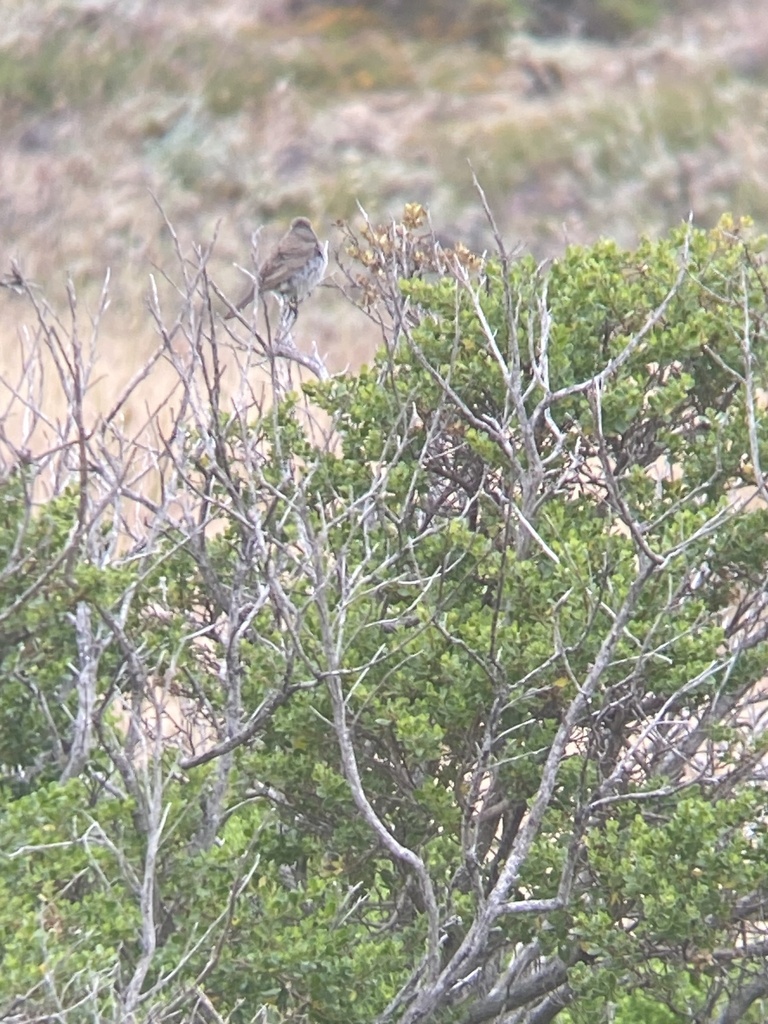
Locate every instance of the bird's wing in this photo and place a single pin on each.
(290, 255)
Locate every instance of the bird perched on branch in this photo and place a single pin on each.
(292, 270)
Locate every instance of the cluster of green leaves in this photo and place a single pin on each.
(66, 903)
(675, 397)
(37, 640)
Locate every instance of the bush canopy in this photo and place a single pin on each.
(429, 693)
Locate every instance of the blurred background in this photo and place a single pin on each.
(582, 118)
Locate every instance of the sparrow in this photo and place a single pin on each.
(292, 270)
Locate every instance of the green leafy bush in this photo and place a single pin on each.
(439, 712)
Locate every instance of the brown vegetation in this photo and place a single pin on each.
(248, 114)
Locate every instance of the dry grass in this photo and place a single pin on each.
(239, 116)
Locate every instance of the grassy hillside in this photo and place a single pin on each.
(240, 115)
